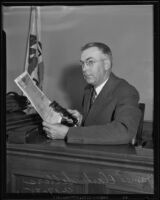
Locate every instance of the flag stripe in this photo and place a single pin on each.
(34, 62)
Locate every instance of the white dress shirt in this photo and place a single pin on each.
(99, 88)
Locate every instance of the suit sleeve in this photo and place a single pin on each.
(120, 130)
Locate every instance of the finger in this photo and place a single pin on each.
(45, 123)
(46, 129)
(49, 135)
(71, 111)
(67, 119)
(48, 125)
(49, 132)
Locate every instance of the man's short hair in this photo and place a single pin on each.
(103, 47)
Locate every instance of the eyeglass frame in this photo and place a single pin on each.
(90, 62)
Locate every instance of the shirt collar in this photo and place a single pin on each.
(99, 88)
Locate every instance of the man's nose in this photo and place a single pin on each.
(84, 67)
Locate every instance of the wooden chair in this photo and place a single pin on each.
(138, 139)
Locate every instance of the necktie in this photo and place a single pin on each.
(93, 97)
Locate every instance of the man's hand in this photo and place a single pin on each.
(76, 114)
(55, 131)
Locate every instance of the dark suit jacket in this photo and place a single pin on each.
(113, 118)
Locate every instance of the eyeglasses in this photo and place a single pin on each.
(90, 63)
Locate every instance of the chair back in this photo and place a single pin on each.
(138, 139)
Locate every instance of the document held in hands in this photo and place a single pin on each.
(37, 98)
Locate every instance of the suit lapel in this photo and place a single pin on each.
(87, 98)
(104, 96)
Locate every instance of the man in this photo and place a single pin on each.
(114, 116)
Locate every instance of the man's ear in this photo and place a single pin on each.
(107, 64)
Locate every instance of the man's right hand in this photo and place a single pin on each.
(76, 114)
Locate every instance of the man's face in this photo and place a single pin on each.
(94, 66)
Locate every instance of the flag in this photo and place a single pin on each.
(34, 63)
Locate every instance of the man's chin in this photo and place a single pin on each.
(90, 82)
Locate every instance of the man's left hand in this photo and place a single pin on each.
(55, 131)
